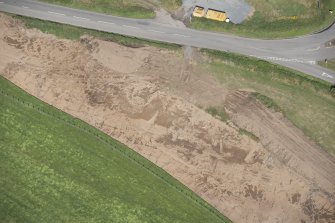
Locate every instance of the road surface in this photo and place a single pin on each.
(300, 53)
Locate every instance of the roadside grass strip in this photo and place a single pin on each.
(74, 33)
(306, 101)
(132, 9)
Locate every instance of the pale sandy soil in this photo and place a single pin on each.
(150, 100)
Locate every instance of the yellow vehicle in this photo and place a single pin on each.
(216, 15)
(199, 11)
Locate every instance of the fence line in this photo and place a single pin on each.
(126, 154)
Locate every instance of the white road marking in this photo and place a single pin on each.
(314, 49)
(25, 7)
(107, 22)
(155, 31)
(285, 59)
(176, 34)
(324, 74)
(80, 18)
(132, 27)
(56, 13)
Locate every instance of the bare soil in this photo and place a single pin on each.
(150, 99)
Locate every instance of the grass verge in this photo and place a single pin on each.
(330, 64)
(132, 9)
(266, 101)
(222, 115)
(307, 102)
(218, 113)
(249, 134)
(171, 5)
(275, 19)
(55, 168)
(74, 33)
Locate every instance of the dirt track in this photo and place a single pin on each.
(305, 158)
(149, 99)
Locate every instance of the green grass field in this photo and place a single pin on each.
(170, 5)
(306, 101)
(55, 168)
(330, 64)
(276, 19)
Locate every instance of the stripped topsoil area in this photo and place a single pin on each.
(150, 100)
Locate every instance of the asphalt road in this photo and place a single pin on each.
(297, 53)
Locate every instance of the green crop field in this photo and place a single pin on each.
(309, 103)
(55, 168)
(276, 19)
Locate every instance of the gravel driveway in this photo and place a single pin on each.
(236, 10)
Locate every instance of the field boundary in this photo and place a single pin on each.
(102, 137)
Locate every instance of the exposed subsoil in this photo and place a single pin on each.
(150, 99)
